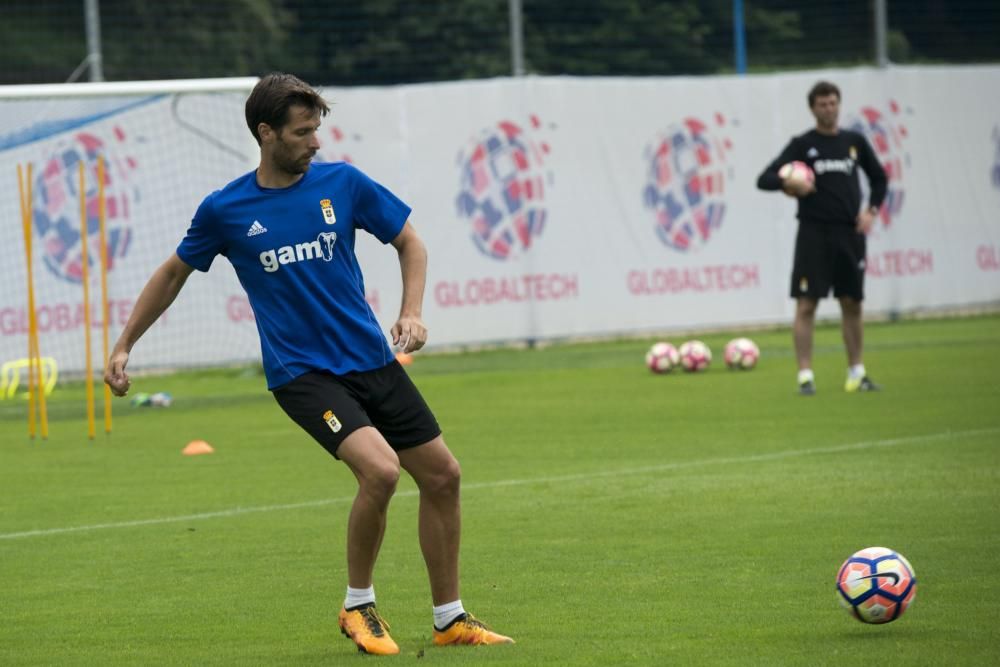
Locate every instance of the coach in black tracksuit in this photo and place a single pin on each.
(830, 245)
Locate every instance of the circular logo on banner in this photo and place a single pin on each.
(887, 134)
(685, 182)
(56, 205)
(502, 188)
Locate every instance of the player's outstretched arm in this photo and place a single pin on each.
(161, 290)
(409, 332)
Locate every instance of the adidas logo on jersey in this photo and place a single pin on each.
(812, 152)
(256, 228)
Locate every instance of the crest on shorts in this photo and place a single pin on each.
(328, 215)
(332, 421)
(803, 284)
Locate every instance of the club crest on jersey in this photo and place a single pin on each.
(328, 215)
(332, 421)
(853, 152)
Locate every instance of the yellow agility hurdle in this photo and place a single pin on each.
(10, 375)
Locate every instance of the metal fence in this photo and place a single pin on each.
(346, 42)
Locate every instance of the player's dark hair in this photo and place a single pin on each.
(274, 94)
(823, 89)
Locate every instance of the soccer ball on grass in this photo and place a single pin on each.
(662, 358)
(876, 585)
(741, 354)
(695, 356)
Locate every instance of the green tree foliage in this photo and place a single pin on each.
(151, 39)
(37, 46)
(372, 42)
(392, 41)
(637, 37)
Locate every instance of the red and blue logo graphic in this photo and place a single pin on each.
(887, 134)
(686, 181)
(502, 190)
(56, 205)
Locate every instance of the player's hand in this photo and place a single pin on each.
(797, 189)
(115, 375)
(866, 219)
(408, 333)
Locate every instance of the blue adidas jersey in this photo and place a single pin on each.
(293, 251)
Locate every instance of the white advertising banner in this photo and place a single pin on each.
(551, 207)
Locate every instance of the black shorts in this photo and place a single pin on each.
(331, 407)
(828, 256)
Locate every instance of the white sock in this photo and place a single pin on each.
(446, 613)
(359, 596)
(806, 375)
(856, 372)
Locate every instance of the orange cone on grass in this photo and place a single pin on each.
(196, 447)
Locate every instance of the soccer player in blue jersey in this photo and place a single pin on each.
(288, 228)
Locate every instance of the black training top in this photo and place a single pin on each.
(835, 160)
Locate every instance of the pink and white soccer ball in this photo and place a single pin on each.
(695, 356)
(797, 172)
(876, 585)
(741, 354)
(662, 358)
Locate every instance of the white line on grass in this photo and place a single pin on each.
(752, 458)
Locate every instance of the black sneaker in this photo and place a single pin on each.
(864, 384)
(807, 388)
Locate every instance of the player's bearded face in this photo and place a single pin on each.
(296, 142)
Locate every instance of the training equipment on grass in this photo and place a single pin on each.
(876, 585)
(797, 172)
(10, 375)
(34, 355)
(741, 354)
(695, 356)
(196, 447)
(85, 282)
(662, 357)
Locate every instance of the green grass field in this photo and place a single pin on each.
(610, 516)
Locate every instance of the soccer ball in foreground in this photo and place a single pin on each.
(797, 172)
(741, 354)
(695, 356)
(876, 585)
(662, 358)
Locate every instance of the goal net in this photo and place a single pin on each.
(165, 145)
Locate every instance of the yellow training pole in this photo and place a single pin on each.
(26, 229)
(86, 306)
(43, 411)
(101, 215)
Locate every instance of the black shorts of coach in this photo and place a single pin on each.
(826, 256)
(330, 407)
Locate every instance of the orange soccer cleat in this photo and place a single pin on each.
(467, 629)
(368, 630)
